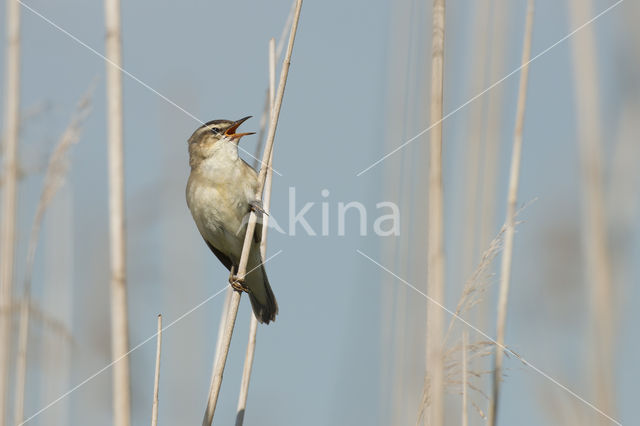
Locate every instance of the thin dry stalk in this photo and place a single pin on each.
(10, 153)
(223, 318)
(465, 414)
(21, 360)
(512, 198)
(395, 384)
(263, 127)
(268, 99)
(246, 372)
(269, 179)
(221, 358)
(156, 381)
(494, 120)
(435, 260)
(53, 180)
(474, 132)
(266, 113)
(594, 227)
(119, 320)
(216, 379)
(492, 141)
(253, 328)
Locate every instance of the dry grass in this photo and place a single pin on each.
(474, 136)
(512, 199)
(598, 273)
(460, 356)
(53, 180)
(266, 114)
(216, 379)
(156, 380)
(253, 327)
(435, 238)
(117, 234)
(491, 151)
(9, 192)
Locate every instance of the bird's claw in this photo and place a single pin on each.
(236, 282)
(238, 285)
(256, 207)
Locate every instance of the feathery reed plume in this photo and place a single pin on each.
(594, 217)
(9, 197)
(156, 381)
(253, 328)
(472, 294)
(53, 180)
(117, 240)
(512, 198)
(435, 253)
(476, 286)
(216, 379)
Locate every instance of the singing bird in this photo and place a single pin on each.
(221, 193)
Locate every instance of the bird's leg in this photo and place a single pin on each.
(236, 282)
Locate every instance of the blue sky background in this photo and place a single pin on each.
(324, 361)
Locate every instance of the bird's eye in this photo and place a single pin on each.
(215, 130)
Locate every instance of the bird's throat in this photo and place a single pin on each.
(221, 161)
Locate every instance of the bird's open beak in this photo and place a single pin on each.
(231, 131)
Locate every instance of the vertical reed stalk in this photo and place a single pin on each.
(397, 175)
(156, 381)
(223, 318)
(246, 371)
(253, 328)
(216, 379)
(435, 252)
(512, 198)
(21, 360)
(119, 320)
(465, 379)
(10, 170)
(474, 138)
(594, 223)
(263, 124)
(492, 130)
(269, 178)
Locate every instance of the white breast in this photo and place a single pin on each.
(218, 195)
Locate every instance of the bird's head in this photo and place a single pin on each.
(209, 137)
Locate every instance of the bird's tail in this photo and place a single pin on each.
(263, 301)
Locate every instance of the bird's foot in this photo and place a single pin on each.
(236, 282)
(238, 285)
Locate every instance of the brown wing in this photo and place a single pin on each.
(221, 256)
